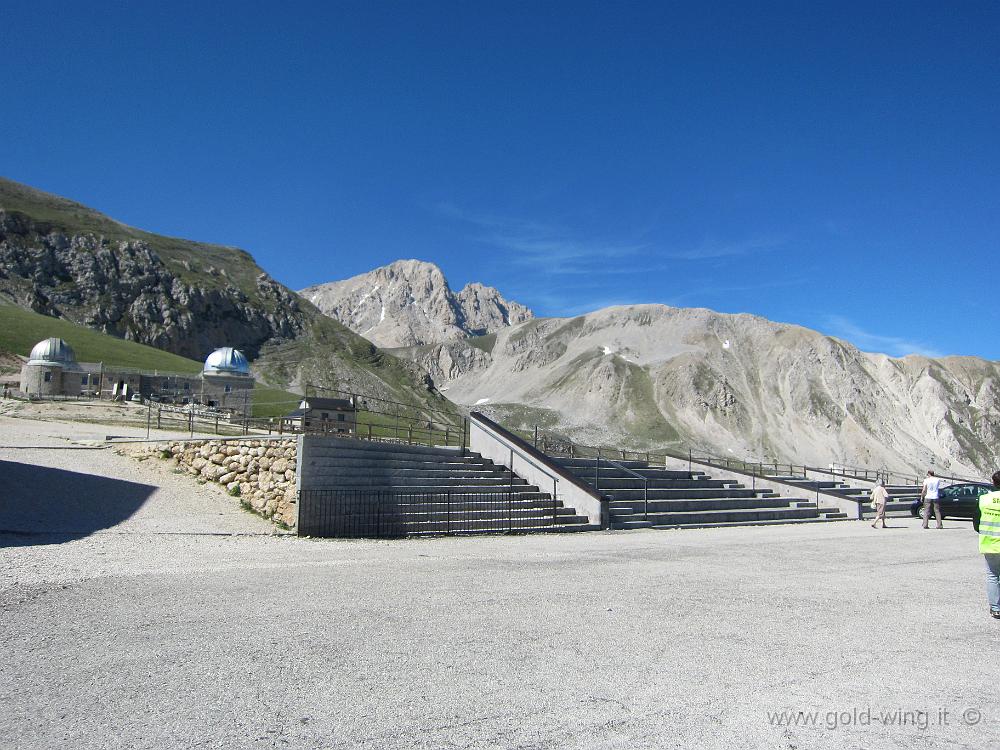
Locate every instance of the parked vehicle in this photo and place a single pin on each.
(957, 500)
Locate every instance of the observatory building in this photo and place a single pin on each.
(225, 382)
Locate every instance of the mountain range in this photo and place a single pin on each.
(652, 375)
(641, 376)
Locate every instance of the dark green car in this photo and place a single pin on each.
(957, 500)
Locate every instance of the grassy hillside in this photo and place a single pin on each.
(21, 329)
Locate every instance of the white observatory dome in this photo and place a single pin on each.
(53, 351)
(226, 361)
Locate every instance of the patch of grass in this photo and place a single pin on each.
(273, 402)
(483, 343)
(21, 329)
(235, 491)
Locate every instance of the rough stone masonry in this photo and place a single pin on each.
(260, 472)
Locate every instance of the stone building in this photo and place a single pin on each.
(323, 415)
(225, 382)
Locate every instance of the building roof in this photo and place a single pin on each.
(227, 361)
(53, 351)
(333, 404)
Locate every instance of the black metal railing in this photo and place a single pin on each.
(363, 513)
(627, 470)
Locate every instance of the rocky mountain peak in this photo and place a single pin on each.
(409, 302)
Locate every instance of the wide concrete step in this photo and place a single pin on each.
(781, 522)
(633, 506)
(432, 470)
(631, 495)
(532, 528)
(493, 481)
(575, 462)
(722, 516)
(337, 443)
(383, 452)
(376, 462)
(610, 485)
(471, 514)
(360, 505)
(433, 489)
(653, 477)
(422, 523)
(607, 470)
(585, 467)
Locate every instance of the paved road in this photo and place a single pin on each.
(133, 638)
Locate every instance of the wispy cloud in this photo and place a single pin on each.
(569, 305)
(556, 249)
(841, 327)
(711, 249)
(584, 269)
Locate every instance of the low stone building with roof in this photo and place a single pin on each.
(225, 382)
(338, 415)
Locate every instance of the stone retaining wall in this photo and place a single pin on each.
(260, 472)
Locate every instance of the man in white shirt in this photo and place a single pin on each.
(930, 494)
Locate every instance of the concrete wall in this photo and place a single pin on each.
(504, 449)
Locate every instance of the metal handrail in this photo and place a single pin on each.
(627, 470)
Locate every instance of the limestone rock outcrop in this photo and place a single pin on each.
(409, 303)
(125, 288)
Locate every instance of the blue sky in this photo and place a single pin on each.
(834, 165)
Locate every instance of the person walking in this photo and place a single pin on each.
(880, 497)
(986, 522)
(930, 494)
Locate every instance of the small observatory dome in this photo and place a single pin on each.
(226, 361)
(53, 352)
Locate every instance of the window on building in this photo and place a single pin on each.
(229, 388)
(48, 377)
(187, 386)
(85, 380)
(326, 415)
(340, 418)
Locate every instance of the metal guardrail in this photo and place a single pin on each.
(762, 469)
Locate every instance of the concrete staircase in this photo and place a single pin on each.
(901, 496)
(688, 499)
(426, 491)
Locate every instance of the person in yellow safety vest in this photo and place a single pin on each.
(986, 521)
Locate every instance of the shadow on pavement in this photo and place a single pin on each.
(41, 505)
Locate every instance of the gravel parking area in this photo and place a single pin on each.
(151, 633)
